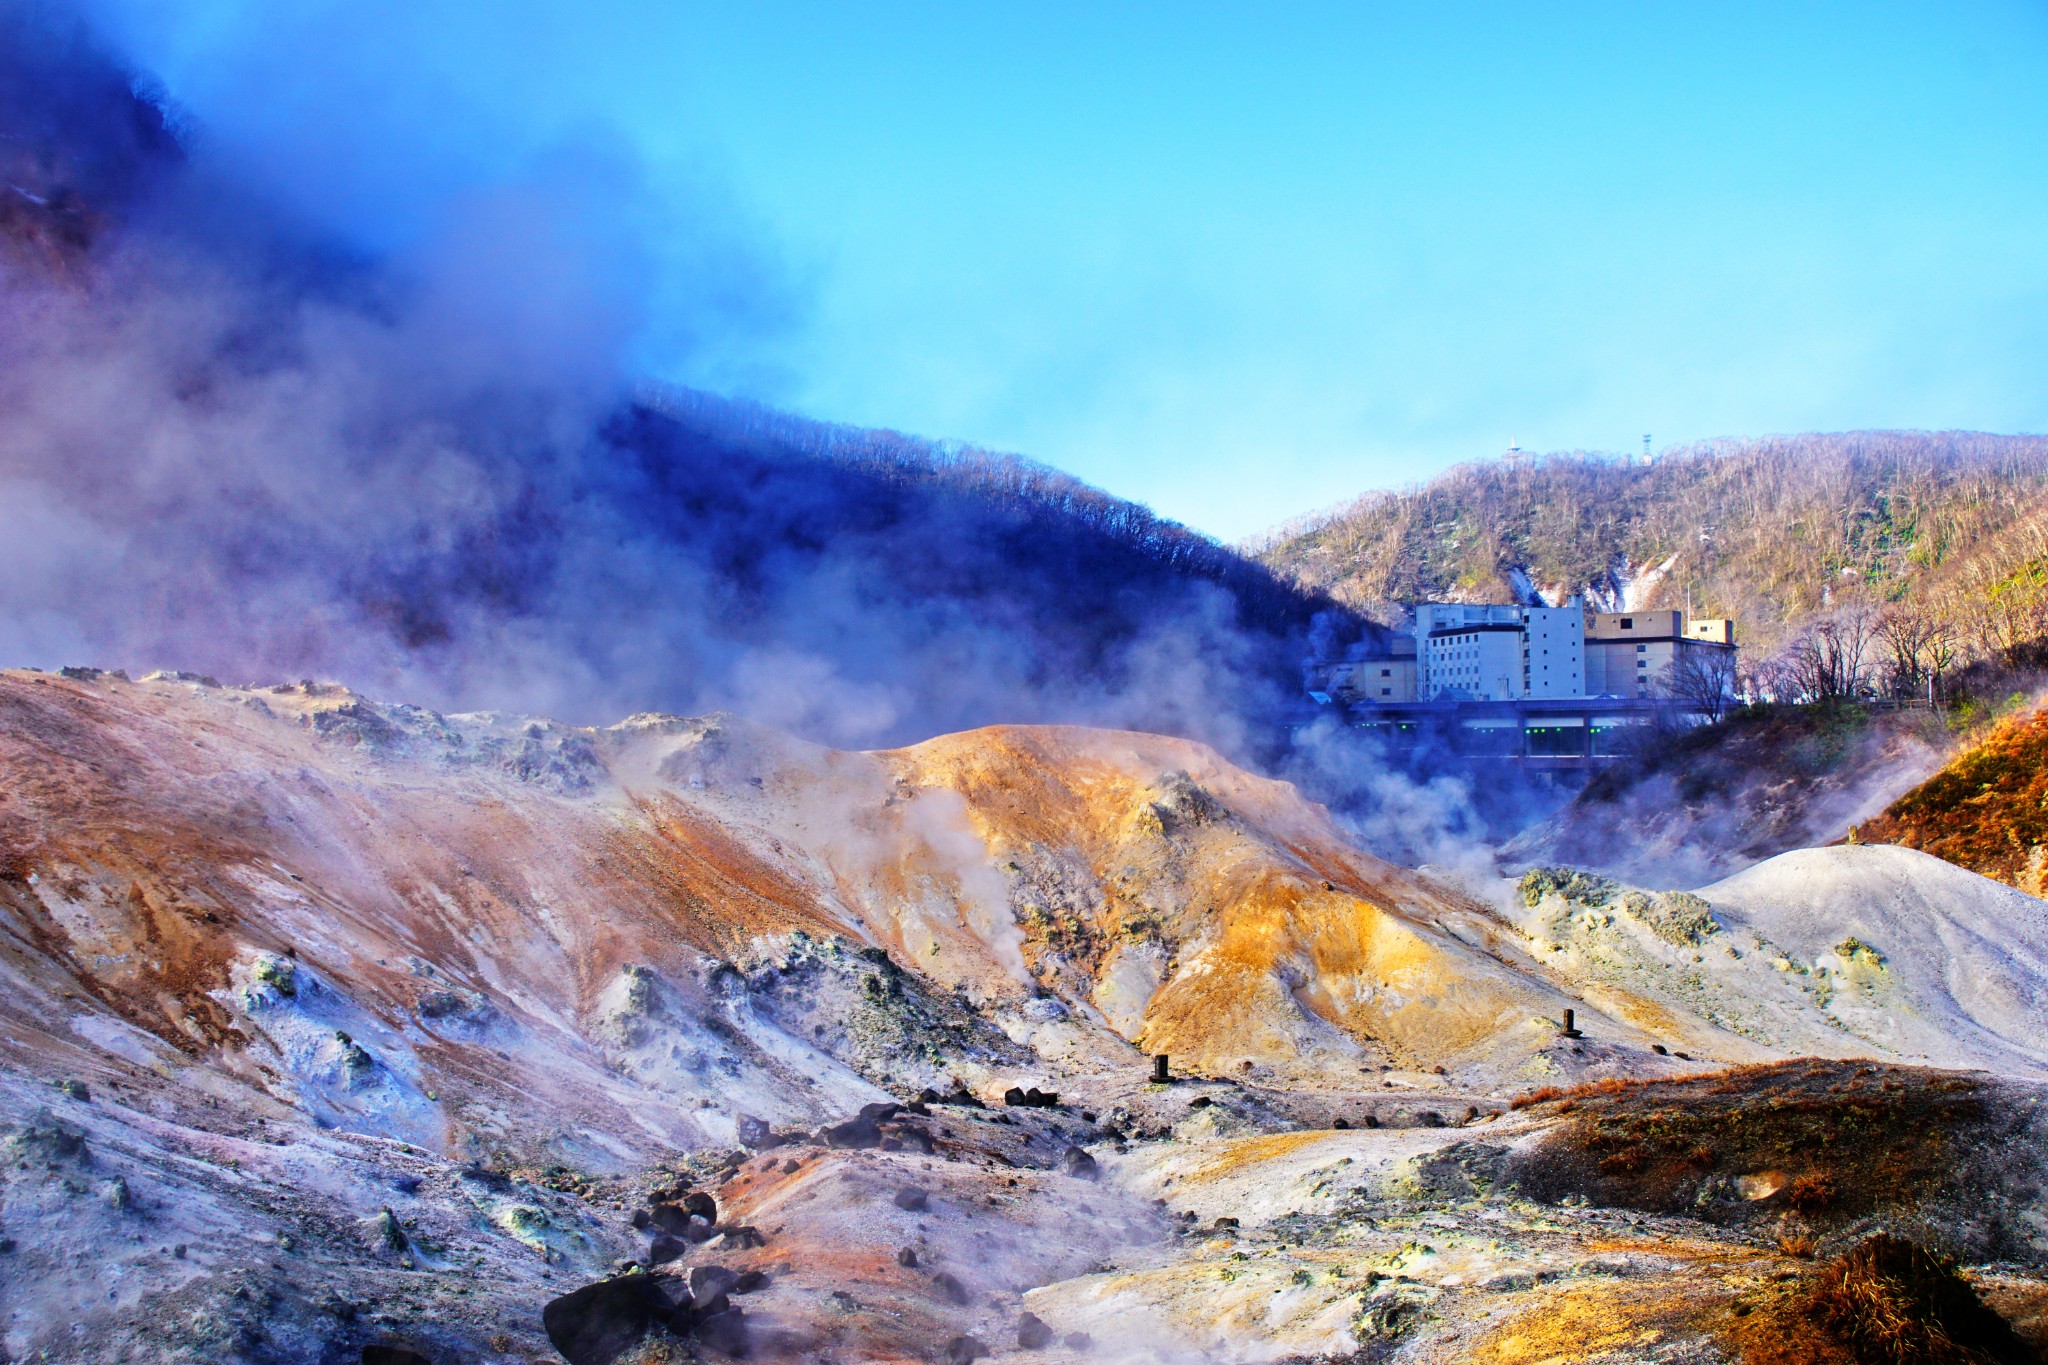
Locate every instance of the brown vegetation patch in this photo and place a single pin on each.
(1833, 1141)
(1987, 810)
(1888, 1301)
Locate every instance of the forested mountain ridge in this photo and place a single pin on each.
(1774, 532)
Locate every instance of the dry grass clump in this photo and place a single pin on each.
(1889, 1301)
(1814, 1190)
(1799, 1245)
(1611, 1085)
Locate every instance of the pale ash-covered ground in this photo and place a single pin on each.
(330, 1025)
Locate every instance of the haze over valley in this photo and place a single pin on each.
(517, 845)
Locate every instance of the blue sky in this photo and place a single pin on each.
(1236, 261)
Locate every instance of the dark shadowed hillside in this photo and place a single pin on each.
(1770, 531)
(231, 446)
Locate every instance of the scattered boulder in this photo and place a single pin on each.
(665, 1248)
(641, 1219)
(747, 1281)
(911, 1199)
(385, 1233)
(708, 1280)
(48, 1139)
(600, 1322)
(951, 1290)
(964, 1351)
(898, 1137)
(1079, 1341)
(1200, 1102)
(702, 1206)
(856, 1134)
(1034, 1098)
(1077, 1162)
(755, 1134)
(1341, 1124)
(1032, 1332)
(726, 1332)
(907, 1257)
(673, 1219)
(741, 1237)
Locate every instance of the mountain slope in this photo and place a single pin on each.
(1768, 531)
(391, 469)
(1986, 810)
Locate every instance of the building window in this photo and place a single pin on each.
(1628, 623)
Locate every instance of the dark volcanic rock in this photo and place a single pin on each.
(600, 1322)
(964, 1351)
(1079, 1164)
(665, 1248)
(725, 1331)
(1034, 1098)
(856, 1134)
(702, 1205)
(1032, 1332)
(911, 1198)
(951, 1290)
(708, 1280)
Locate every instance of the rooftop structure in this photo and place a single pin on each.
(1458, 652)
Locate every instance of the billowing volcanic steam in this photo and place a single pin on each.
(230, 445)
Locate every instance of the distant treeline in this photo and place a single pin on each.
(1943, 534)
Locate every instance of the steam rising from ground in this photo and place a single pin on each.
(230, 442)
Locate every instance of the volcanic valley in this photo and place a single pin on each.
(336, 1030)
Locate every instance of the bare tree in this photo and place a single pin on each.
(1704, 676)
(2003, 617)
(1830, 659)
(1919, 646)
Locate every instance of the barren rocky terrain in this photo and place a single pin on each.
(336, 1030)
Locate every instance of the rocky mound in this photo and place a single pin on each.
(1911, 954)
